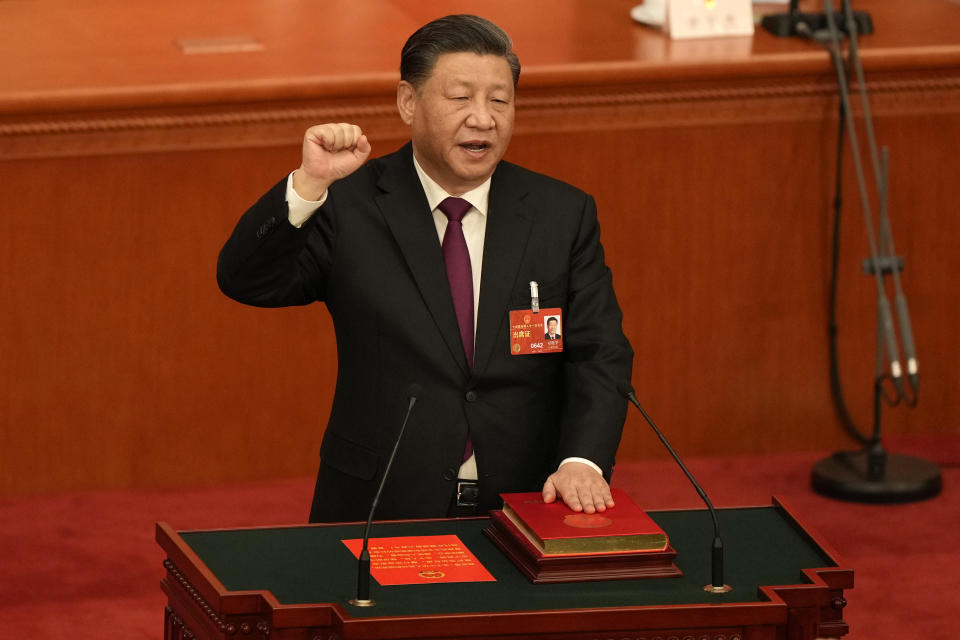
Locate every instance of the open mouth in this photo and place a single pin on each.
(475, 146)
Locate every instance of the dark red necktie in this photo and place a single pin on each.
(459, 271)
(460, 275)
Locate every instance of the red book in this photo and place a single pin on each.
(554, 529)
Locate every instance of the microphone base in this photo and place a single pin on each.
(851, 475)
(362, 603)
(722, 589)
(784, 25)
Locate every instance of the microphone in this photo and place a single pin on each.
(363, 598)
(716, 564)
(885, 318)
(909, 349)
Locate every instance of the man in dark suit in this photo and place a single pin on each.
(551, 333)
(420, 256)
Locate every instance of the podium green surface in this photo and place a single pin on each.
(295, 582)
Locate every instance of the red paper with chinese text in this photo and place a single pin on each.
(421, 560)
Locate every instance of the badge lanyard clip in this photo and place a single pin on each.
(534, 296)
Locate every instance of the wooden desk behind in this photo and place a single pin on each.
(125, 163)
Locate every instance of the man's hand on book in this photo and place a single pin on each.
(580, 487)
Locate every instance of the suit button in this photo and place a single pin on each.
(449, 474)
(471, 396)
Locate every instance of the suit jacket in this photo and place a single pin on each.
(371, 253)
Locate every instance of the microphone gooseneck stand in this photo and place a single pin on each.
(716, 585)
(363, 598)
(871, 474)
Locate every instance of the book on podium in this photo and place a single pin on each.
(552, 543)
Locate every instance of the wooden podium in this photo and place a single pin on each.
(294, 582)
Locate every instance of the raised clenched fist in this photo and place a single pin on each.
(330, 152)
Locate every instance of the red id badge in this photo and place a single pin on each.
(536, 332)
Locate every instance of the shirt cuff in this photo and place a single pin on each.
(298, 209)
(584, 461)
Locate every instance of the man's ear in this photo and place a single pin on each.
(406, 101)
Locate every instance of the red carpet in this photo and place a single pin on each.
(85, 565)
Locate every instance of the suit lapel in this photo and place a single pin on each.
(404, 207)
(509, 221)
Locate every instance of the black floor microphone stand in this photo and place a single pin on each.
(872, 474)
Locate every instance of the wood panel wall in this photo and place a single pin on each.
(123, 365)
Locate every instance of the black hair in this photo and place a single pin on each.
(454, 34)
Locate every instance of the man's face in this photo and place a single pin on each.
(461, 119)
(551, 326)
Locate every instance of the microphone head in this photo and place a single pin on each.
(414, 390)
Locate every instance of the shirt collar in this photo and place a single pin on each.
(478, 197)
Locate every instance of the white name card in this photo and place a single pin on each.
(709, 18)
